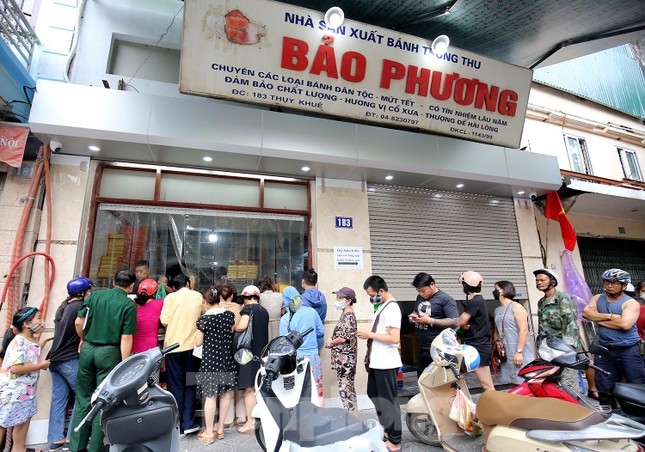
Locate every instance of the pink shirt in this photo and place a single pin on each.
(147, 326)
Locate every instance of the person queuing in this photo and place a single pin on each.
(314, 298)
(558, 316)
(343, 347)
(476, 326)
(615, 314)
(19, 374)
(179, 315)
(512, 328)
(382, 359)
(433, 311)
(63, 358)
(247, 372)
(217, 376)
(271, 300)
(299, 317)
(105, 324)
(148, 315)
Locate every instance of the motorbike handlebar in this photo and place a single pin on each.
(602, 371)
(91, 415)
(169, 348)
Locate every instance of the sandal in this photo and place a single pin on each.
(593, 393)
(247, 429)
(206, 439)
(239, 422)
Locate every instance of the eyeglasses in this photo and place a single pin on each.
(612, 283)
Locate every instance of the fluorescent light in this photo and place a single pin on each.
(440, 45)
(93, 148)
(521, 192)
(460, 185)
(212, 237)
(305, 169)
(207, 158)
(389, 177)
(334, 17)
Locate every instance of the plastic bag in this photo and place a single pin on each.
(463, 413)
(161, 292)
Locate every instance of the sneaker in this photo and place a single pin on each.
(188, 431)
(57, 447)
(66, 446)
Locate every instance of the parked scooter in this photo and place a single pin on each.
(510, 422)
(137, 415)
(286, 415)
(543, 376)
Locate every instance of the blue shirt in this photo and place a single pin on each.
(303, 318)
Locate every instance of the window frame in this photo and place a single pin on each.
(622, 155)
(583, 152)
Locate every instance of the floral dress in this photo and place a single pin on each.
(217, 373)
(343, 359)
(18, 391)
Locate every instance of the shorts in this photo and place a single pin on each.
(485, 350)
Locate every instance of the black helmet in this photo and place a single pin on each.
(78, 285)
(550, 273)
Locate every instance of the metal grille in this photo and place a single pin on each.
(444, 234)
(598, 255)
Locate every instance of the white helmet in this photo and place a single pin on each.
(445, 348)
(471, 357)
(551, 274)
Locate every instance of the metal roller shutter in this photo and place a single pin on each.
(443, 233)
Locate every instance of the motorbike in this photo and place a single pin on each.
(509, 421)
(287, 417)
(136, 414)
(543, 376)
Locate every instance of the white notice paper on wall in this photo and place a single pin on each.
(348, 257)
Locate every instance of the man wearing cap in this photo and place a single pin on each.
(558, 316)
(616, 314)
(179, 315)
(105, 324)
(434, 311)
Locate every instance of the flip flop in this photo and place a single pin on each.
(247, 429)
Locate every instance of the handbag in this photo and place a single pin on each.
(499, 351)
(369, 341)
(244, 339)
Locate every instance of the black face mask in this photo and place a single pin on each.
(496, 294)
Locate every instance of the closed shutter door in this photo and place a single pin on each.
(444, 234)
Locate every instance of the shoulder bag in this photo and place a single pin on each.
(244, 339)
(369, 341)
(499, 351)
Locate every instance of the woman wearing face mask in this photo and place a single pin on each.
(299, 318)
(512, 328)
(344, 347)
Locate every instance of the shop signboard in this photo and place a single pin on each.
(271, 53)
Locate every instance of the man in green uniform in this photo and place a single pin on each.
(105, 323)
(558, 315)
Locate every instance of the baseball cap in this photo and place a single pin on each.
(346, 292)
(250, 291)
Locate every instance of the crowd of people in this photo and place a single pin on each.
(86, 347)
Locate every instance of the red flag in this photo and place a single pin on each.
(554, 211)
(13, 138)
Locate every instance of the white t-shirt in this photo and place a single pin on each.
(386, 356)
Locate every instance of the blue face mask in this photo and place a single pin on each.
(340, 304)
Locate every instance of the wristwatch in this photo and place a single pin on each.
(519, 350)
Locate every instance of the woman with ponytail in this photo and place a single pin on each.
(63, 357)
(148, 313)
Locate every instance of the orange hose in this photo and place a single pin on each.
(15, 265)
(48, 239)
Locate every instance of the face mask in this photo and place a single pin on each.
(340, 304)
(296, 303)
(643, 295)
(36, 327)
(496, 294)
(377, 299)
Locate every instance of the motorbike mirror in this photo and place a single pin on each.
(243, 356)
(599, 350)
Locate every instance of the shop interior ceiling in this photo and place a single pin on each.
(527, 33)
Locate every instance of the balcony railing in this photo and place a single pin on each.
(17, 32)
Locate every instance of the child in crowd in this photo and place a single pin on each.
(19, 374)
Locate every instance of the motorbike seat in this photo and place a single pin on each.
(528, 413)
(310, 425)
(631, 397)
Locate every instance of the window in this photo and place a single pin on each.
(578, 155)
(631, 168)
(162, 64)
